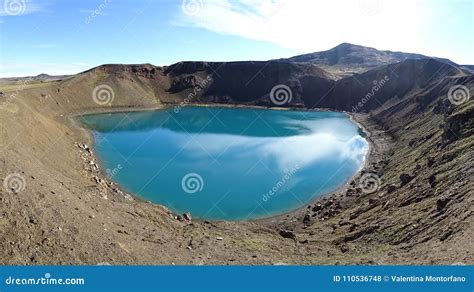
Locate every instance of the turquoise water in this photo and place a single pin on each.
(228, 163)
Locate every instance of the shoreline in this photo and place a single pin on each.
(130, 109)
(267, 221)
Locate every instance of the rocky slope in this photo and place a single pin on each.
(67, 212)
(422, 209)
(311, 87)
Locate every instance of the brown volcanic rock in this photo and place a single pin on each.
(249, 82)
(252, 82)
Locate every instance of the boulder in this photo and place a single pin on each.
(317, 207)
(287, 234)
(405, 178)
(391, 188)
(430, 162)
(307, 219)
(187, 216)
(441, 204)
(432, 180)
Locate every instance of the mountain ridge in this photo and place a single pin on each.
(345, 59)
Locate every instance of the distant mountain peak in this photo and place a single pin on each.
(347, 59)
(43, 75)
(348, 45)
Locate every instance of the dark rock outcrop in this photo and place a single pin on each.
(405, 178)
(287, 234)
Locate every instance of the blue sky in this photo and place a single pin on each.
(65, 36)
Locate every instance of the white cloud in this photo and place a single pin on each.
(309, 25)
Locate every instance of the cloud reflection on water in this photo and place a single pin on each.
(286, 151)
